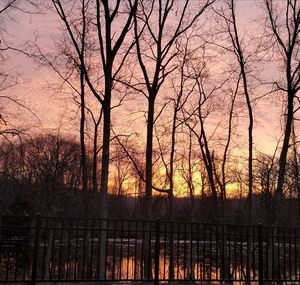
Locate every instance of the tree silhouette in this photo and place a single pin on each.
(285, 32)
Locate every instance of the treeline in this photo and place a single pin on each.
(165, 96)
(42, 176)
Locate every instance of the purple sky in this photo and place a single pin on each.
(54, 110)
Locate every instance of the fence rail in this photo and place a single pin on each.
(40, 249)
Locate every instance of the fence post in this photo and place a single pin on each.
(156, 257)
(260, 256)
(35, 249)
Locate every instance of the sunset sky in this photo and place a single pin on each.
(50, 108)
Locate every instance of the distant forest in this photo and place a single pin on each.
(168, 105)
(42, 176)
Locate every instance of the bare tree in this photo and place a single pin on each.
(265, 176)
(155, 53)
(190, 165)
(122, 171)
(284, 26)
(8, 80)
(109, 38)
(196, 117)
(70, 68)
(46, 165)
(238, 49)
(183, 88)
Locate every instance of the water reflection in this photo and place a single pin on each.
(125, 261)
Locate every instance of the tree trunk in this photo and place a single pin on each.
(84, 200)
(172, 155)
(282, 160)
(149, 154)
(104, 175)
(209, 165)
(95, 162)
(105, 155)
(148, 189)
(242, 63)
